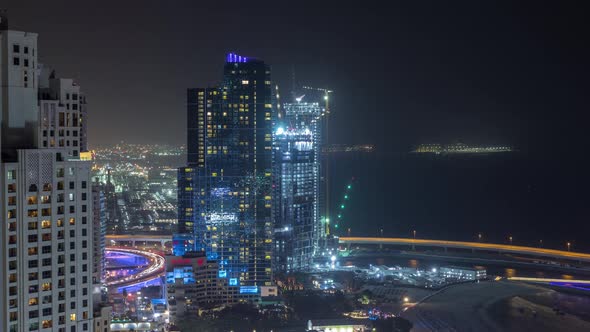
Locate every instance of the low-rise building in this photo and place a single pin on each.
(463, 273)
(336, 325)
(102, 318)
(193, 282)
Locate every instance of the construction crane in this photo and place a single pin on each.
(326, 93)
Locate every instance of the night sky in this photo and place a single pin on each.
(408, 73)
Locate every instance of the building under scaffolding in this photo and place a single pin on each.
(297, 148)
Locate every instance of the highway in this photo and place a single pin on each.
(154, 269)
(130, 237)
(495, 247)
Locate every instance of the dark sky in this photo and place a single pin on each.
(406, 73)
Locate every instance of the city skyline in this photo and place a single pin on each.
(310, 167)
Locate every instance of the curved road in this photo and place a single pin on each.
(542, 252)
(154, 269)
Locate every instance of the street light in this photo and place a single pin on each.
(569, 245)
(510, 238)
(479, 237)
(414, 234)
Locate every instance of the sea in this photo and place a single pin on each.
(537, 199)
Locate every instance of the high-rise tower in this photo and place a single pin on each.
(225, 192)
(296, 187)
(46, 242)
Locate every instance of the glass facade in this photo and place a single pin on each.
(225, 192)
(297, 143)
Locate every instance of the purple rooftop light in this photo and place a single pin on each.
(232, 57)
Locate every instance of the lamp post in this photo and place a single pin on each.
(569, 245)
(510, 239)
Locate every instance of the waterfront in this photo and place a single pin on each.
(498, 269)
(460, 196)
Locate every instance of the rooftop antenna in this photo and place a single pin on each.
(293, 84)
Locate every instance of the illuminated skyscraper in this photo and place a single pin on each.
(225, 192)
(296, 187)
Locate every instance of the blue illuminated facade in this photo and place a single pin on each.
(182, 243)
(233, 58)
(193, 281)
(224, 193)
(249, 290)
(296, 187)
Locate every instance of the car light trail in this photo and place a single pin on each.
(470, 245)
(154, 268)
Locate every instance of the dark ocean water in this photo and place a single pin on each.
(455, 197)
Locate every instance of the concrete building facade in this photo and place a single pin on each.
(46, 248)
